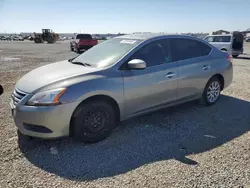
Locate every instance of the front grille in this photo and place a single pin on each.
(17, 96)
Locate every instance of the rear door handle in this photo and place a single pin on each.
(206, 67)
(170, 75)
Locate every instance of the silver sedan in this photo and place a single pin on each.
(123, 77)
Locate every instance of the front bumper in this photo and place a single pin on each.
(42, 121)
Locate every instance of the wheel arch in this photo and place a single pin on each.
(100, 97)
(220, 78)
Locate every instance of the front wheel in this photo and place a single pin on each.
(93, 121)
(211, 92)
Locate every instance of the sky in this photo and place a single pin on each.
(114, 16)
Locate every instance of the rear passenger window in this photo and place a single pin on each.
(222, 39)
(206, 49)
(188, 48)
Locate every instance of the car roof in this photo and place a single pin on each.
(148, 36)
(220, 35)
(83, 34)
(141, 36)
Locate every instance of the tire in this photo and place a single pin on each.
(50, 40)
(77, 50)
(93, 121)
(215, 85)
(235, 56)
(38, 40)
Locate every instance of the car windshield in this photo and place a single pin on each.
(107, 53)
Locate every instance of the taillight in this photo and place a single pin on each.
(229, 58)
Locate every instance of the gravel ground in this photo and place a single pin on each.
(185, 146)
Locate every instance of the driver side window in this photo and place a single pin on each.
(153, 53)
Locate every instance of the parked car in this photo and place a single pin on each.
(62, 38)
(17, 38)
(82, 42)
(120, 78)
(248, 39)
(7, 38)
(31, 38)
(231, 43)
(2, 37)
(14, 38)
(21, 38)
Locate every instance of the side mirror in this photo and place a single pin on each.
(136, 64)
(1, 90)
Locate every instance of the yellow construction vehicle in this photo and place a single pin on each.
(47, 35)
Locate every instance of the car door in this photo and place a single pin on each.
(73, 42)
(153, 86)
(193, 66)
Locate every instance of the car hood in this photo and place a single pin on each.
(51, 73)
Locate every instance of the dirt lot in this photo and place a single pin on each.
(185, 146)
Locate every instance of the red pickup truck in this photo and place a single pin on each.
(82, 42)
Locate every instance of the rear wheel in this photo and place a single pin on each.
(38, 40)
(211, 92)
(93, 121)
(77, 50)
(50, 40)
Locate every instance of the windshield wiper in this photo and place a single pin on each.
(80, 63)
(70, 60)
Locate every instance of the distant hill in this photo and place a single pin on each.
(72, 34)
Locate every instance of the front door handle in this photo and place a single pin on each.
(206, 67)
(170, 75)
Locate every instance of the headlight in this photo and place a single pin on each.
(46, 98)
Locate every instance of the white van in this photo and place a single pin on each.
(232, 43)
